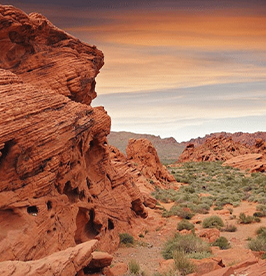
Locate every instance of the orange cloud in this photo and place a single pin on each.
(161, 49)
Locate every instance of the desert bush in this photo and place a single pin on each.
(245, 219)
(126, 238)
(182, 263)
(261, 208)
(257, 244)
(184, 224)
(222, 242)
(212, 222)
(261, 231)
(184, 213)
(134, 267)
(229, 228)
(184, 243)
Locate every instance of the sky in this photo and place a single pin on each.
(179, 68)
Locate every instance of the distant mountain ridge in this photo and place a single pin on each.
(242, 137)
(169, 149)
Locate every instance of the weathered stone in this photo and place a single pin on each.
(210, 235)
(63, 263)
(213, 149)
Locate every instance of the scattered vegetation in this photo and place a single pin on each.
(229, 228)
(184, 224)
(126, 239)
(222, 242)
(212, 222)
(211, 184)
(182, 263)
(188, 244)
(134, 267)
(248, 219)
(258, 243)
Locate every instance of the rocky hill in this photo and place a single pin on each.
(168, 149)
(63, 192)
(213, 149)
(242, 137)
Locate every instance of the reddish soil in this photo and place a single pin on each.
(147, 252)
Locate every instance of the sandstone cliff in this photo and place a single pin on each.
(213, 149)
(59, 183)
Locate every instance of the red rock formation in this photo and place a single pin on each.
(58, 184)
(242, 137)
(63, 263)
(252, 162)
(143, 153)
(47, 57)
(213, 149)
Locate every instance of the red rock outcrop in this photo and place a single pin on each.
(63, 263)
(253, 162)
(144, 155)
(59, 186)
(47, 57)
(213, 149)
(242, 137)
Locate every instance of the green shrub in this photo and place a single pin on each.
(258, 214)
(229, 228)
(245, 219)
(126, 238)
(257, 244)
(182, 263)
(222, 242)
(184, 243)
(261, 231)
(133, 267)
(184, 224)
(212, 222)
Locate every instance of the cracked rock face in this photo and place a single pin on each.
(58, 185)
(47, 57)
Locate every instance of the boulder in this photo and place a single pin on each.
(210, 235)
(206, 265)
(64, 263)
(100, 260)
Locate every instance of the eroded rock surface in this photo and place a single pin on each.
(214, 149)
(59, 186)
(47, 57)
(144, 155)
(63, 263)
(253, 162)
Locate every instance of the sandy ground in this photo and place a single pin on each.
(147, 252)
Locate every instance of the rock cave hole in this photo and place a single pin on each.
(49, 205)
(5, 150)
(80, 147)
(88, 183)
(72, 194)
(86, 228)
(33, 210)
(110, 224)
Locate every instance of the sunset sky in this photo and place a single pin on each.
(173, 68)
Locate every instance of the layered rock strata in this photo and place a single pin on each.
(59, 186)
(213, 149)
